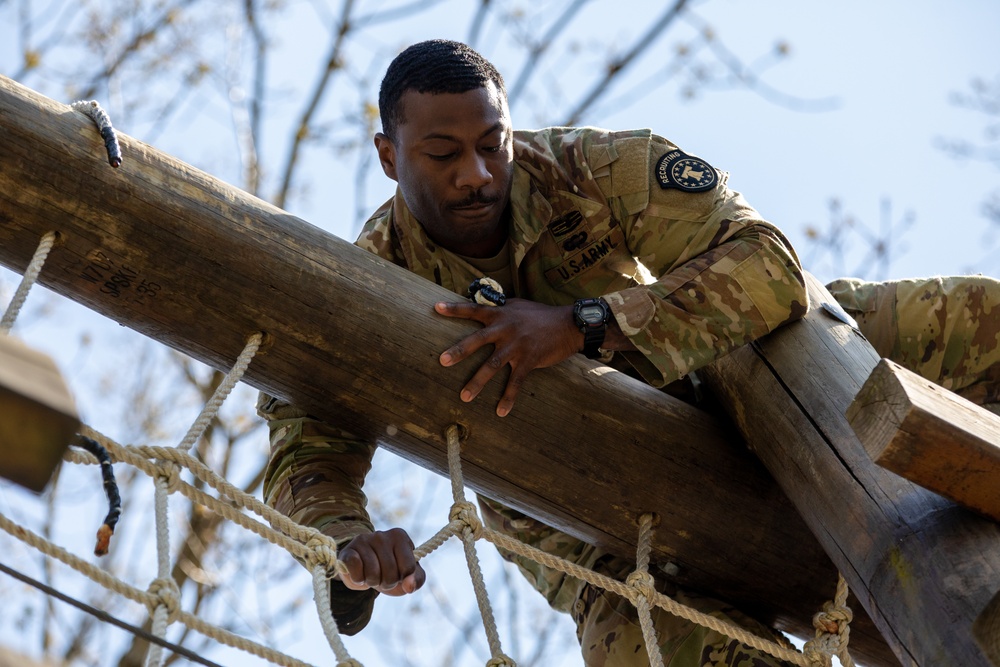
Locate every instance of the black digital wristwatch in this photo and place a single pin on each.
(591, 318)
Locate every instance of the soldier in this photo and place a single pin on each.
(617, 245)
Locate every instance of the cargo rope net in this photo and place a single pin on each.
(319, 552)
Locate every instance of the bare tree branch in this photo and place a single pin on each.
(140, 39)
(618, 65)
(748, 77)
(538, 48)
(395, 14)
(334, 62)
(477, 22)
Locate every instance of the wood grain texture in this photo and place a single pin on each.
(920, 565)
(986, 630)
(199, 265)
(930, 436)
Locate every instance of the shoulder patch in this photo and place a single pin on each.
(679, 170)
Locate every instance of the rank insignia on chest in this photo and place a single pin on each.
(679, 170)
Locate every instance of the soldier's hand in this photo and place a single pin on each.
(525, 334)
(384, 561)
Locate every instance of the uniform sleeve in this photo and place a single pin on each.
(315, 472)
(720, 275)
(945, 328)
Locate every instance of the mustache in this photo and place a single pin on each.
(476, 199)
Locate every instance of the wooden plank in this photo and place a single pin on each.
(921, 566)
(37, 415)
(198, 265)
(930, 436)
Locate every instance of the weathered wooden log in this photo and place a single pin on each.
(930, 436)
(199, 265)
(921, 566)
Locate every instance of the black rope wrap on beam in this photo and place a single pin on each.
(107, 529)
(487, 291)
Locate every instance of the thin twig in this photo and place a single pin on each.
(477, 22)
(620, 64)
(541, 46)
(334, 62)
(168, 16)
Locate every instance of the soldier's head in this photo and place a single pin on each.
(446, 140)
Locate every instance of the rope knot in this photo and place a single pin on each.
(350, 662)
(323, 553)
(501, 660)
(642, 583)
(832, 619)
(820, 651)
(465, 512)
(170, 473)
(167, 595)
(832, 635)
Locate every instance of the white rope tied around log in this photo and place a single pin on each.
(27, 282)
(464, 512)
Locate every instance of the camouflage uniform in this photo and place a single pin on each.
(592, 213)
(946, 329)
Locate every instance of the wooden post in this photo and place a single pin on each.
(930, 436)
(199, 265)
(921, 566)
(37, 415)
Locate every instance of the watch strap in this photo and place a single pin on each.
(593, 333)
(593, 338)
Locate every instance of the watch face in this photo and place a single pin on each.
(592, 314)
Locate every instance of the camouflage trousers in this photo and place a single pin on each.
(610, 635)
(945, 329)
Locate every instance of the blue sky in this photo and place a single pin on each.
(875, 80)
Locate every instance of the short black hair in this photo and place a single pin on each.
(435, 66)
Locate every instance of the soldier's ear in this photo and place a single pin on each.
(386, 154)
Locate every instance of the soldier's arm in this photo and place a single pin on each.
(721, 277)
(314, 476)
(700, 311)
(944, 328)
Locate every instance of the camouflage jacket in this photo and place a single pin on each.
(688, 267)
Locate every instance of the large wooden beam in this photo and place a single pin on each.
(930, 436)
(921, 566)
(199, 265)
